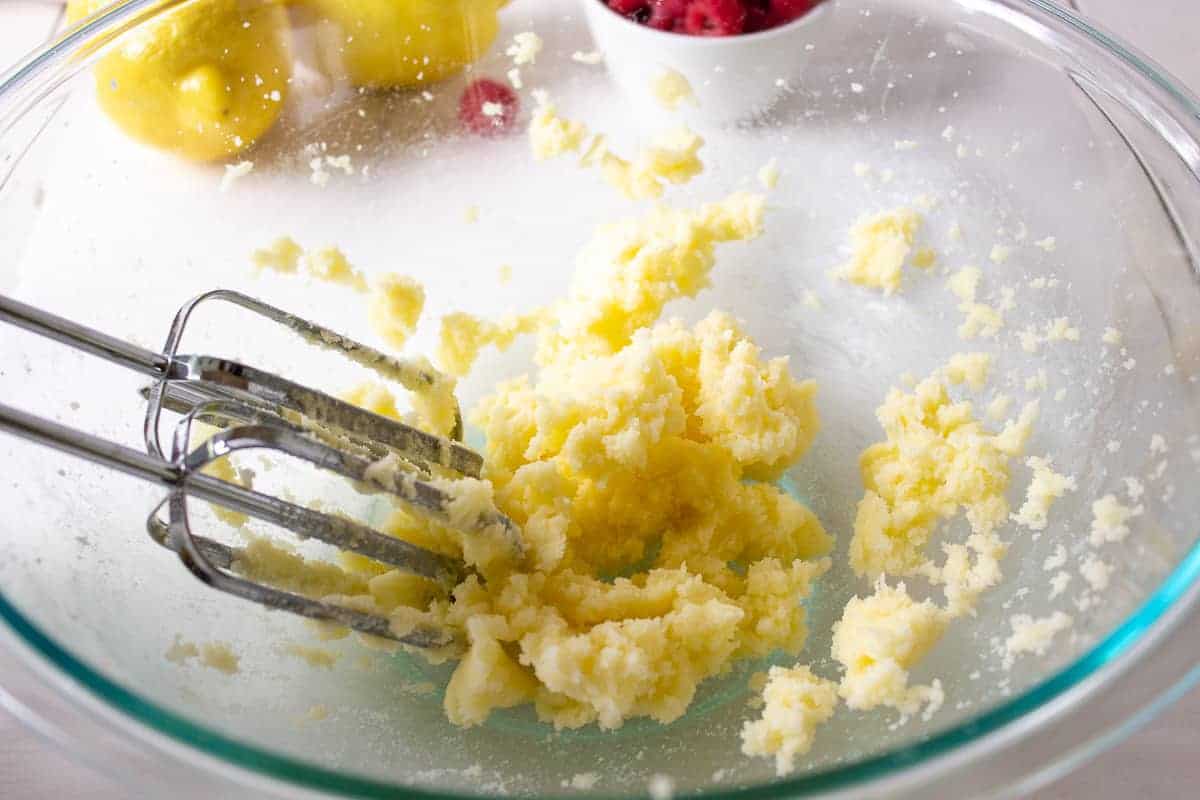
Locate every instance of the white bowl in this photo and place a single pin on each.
(735, 78)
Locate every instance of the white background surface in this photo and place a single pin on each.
(1161, 761)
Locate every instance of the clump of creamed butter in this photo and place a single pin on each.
(640, 448)
(639, 440)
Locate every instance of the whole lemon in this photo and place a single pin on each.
(204, 80)
(396, 43)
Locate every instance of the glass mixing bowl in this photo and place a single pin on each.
(1025, 123)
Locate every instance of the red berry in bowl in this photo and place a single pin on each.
(635, 9)
(781, 12)
(667, 15)
(488, 107)
(758, 15)
(714, 18)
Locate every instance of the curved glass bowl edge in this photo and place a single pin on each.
(275, 766)
(290, 770)
(1145, 66)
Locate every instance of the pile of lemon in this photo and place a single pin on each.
(207, 78)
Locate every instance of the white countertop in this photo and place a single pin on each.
(1162, 761)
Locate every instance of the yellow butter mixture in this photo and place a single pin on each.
(672, 158)
(639, 461)
(640, 458)
(880, 245)
(640, 450)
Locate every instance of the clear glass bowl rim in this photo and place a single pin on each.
(289, 770)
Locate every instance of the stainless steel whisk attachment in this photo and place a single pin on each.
(258, 410)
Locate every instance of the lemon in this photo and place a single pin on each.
(204, 80)
(397, 43)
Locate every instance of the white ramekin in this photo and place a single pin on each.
(734, 77)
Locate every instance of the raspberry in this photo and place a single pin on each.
(758, 15)
(714, 18)
(487, 93)
(667, 15)
(634, 9)
(781, 12)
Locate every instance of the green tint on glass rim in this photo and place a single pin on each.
(250, 757)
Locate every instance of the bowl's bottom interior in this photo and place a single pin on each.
(75, 561)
